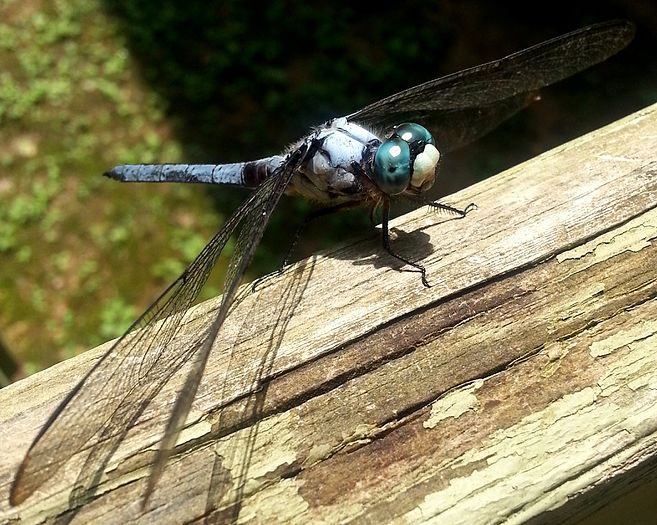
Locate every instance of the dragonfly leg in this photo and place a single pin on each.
(387, 248)
(313, 215)
(457, 211)
(460, 213)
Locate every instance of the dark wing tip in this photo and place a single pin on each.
(625, 30)
(629, 30)
(627, 26)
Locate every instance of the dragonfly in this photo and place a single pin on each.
(388, 150)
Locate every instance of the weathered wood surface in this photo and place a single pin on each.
(520, 388)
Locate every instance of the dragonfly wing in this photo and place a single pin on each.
(499, 88)
(456, 128)
(109, 399)
(255, 214)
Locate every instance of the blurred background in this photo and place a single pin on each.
(87, 84)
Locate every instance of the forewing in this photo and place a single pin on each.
(255, 218)
(121, 384)
(483, 96)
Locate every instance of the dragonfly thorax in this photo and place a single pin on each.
(406, 161)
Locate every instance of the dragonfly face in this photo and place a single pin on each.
(406, 161)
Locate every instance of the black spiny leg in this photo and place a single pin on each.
(461, 213)
(440, 206)
(386, 243)
(315, 214)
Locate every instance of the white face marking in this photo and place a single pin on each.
(424, 167)
(395, 151)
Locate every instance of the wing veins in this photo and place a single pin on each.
(500, 87)
(147, 340)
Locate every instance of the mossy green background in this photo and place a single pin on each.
(87, 84)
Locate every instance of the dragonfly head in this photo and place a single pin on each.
(407, 160)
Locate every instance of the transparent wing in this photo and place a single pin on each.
(110, 398)
(460, 107)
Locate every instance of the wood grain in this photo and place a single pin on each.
(519, 388)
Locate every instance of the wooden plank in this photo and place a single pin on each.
(520, 387)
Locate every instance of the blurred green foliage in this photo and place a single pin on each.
(239, 76)
(78, 254)
(87, 84)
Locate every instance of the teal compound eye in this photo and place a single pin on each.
(411, 132)
(424, 153)
(392, 166)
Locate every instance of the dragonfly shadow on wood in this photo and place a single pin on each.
(414, 244)
(241, 418)
(234, 398)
